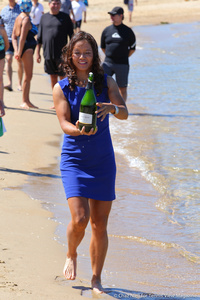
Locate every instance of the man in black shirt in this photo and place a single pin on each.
(54, 29)
(118, 42)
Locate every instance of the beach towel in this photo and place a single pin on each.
(2, 127)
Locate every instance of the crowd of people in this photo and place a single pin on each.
(23, 24)
(88, 167)
(29, 29)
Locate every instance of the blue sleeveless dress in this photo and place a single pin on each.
(87, 164)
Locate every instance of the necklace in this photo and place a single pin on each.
(81, 83)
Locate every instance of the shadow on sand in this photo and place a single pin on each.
(37, 174)
(124, 294)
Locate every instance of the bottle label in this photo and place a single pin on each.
(85, 118)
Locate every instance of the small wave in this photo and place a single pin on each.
(157, 180)
(181, 250)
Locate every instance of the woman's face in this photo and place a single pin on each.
(82, 56)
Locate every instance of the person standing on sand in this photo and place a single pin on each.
(9, 13)
(54, 29)
(118, 42)
(37, 10)
(24, 43)
(66, 7)
(87, 166)
(79, 8)
(131, 8)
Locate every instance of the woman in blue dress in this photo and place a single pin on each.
(87, 160)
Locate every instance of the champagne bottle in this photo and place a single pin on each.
(87, 115)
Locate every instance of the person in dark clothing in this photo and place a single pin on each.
(118, 42)
(54, 29)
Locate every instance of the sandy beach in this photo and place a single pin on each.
(31, 261)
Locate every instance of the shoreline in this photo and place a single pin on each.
(31, 260)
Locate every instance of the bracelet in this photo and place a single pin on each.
(116, 109)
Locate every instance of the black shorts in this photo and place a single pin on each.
(77, 24)
(52, 67)
(10, 49)
(2, 54)
(121, 72)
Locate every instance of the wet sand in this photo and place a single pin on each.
(31, 260)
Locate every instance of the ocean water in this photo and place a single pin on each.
(154, 226)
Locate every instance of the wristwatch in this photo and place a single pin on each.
(116, 109)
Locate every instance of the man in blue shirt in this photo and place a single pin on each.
(9, 13)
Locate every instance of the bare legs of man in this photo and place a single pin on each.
(54, 80)
(8, 68)
(81, 211)
(9, 71)
(123, 92)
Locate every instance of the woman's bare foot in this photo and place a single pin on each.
(27, 105)
(69, 270)
(96, 285)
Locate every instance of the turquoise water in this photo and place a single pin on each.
(154, 226)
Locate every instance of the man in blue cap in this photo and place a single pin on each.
(118, 42)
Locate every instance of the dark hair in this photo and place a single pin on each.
(69, 68)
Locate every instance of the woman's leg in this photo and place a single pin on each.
(20, 75)
(80, 213)
(99, 213)
(2, 111)
(27, 60)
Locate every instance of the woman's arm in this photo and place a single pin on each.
(63, 112)
(14, 37)
(25, 27)
(117, 102)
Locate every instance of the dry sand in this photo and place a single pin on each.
(31, 261)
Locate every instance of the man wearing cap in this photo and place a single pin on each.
(54, 29)
(118, 42)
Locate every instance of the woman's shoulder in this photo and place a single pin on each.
(64, 83)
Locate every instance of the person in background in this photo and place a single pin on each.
(88, 167)
(118, 42)
(66, 7)
(37, 10)
(9, 13)
(54, 29)
(4, 45)
(131, 8)
(24, 43)
(79, 8)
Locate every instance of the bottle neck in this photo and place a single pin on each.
(90, 85)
